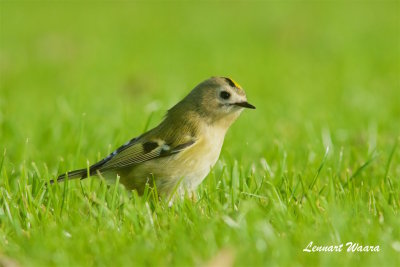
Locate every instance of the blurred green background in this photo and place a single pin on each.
(80, 78)
(305, 65)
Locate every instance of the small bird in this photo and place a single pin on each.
(178, 154)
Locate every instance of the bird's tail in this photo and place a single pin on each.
(77, 174)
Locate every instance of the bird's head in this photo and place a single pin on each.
(219, 98)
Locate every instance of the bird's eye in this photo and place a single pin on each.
(225, 95)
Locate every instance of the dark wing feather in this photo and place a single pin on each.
(119, 150)
(137, 152)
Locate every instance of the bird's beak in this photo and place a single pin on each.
(244, 104)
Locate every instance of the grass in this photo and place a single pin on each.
(317, 161)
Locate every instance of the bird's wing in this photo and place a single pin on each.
(140, 150)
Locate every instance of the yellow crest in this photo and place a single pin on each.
(233, 83)
(236, 84)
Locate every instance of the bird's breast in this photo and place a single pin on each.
(188, 167)
(196, 162)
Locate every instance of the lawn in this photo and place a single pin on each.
(317, 161)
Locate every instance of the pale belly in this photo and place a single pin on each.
(178, 173)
